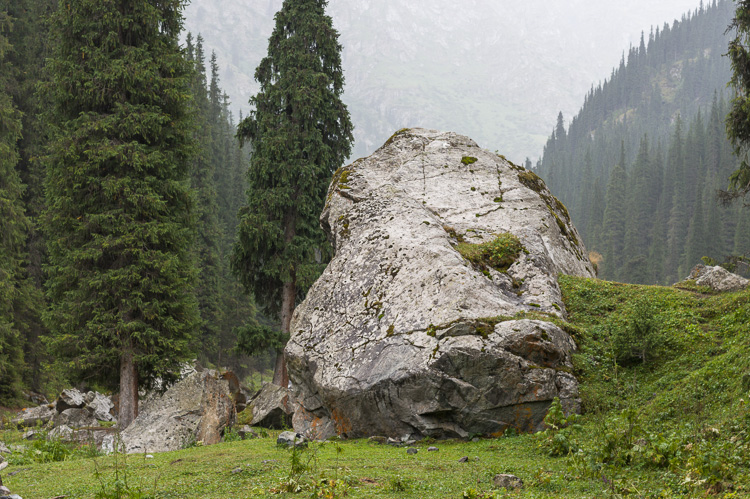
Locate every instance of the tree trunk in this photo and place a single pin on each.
(288, 298)
(128, 390)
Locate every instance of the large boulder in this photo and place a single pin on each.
(196, 409)
(408, 331)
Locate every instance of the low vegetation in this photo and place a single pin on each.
(665, 382)
(499, 254)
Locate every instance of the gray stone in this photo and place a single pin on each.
(4, 491)
(411, 451)
(291, 439)
(718, 279)
(3, 465)
(432, 449)
(464, 459)
(503, 481)
(246, 432)
(272, 407)
(35, 416)
(75, 418)
(36, 398)
(197, 408)
(70, 399)
(394, 337)
(4, 449)
(394, 442)
(100, 406)
(102, 438)
(32, 435)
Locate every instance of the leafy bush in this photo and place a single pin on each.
(557, 438)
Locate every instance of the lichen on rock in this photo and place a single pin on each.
(394, 338)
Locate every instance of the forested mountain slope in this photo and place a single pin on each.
(640, 164)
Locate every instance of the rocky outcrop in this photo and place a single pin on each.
(196, 409)
(438, 244)
(718, 279)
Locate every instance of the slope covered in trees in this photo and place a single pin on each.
(640, 165)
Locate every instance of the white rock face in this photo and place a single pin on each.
(401, 334)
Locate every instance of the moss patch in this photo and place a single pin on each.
(395, 135)
(468, 160)
(499, 254)
(532, 181)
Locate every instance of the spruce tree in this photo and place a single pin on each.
(738, 120)
(300, 132)
(13, 227)
(119, 227)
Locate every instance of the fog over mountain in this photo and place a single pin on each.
(496, 70)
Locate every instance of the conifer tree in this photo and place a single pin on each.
(300, 132)
(119, 226)
(13, 227)
(738, 120)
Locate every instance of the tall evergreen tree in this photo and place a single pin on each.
(23, 70)
(738, 120)
(13, 227)
(119, 226)
(300, 132)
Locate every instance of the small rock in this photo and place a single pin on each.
(4, 449)
(475, 439)
(4, 491)
(70, 399)
(394, 442)
(432, 449)
(464, 459)
(246, 432)
(411, 451)
(291, 439)
(409, 442)
(31, 435)
(149, 456)
(504, 481)
(378, 439)
(3, 465)
(268, 461)
(236, 470)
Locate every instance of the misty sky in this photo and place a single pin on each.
(497, 70)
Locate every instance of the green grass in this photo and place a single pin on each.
(366, 468)
(670, 423)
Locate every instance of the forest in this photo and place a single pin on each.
(641, 164)
(215, 181)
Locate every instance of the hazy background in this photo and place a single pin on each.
(496, 70)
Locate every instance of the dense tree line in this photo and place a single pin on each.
(639, 167)
(84, 111)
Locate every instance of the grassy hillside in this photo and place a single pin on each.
(665, 385)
